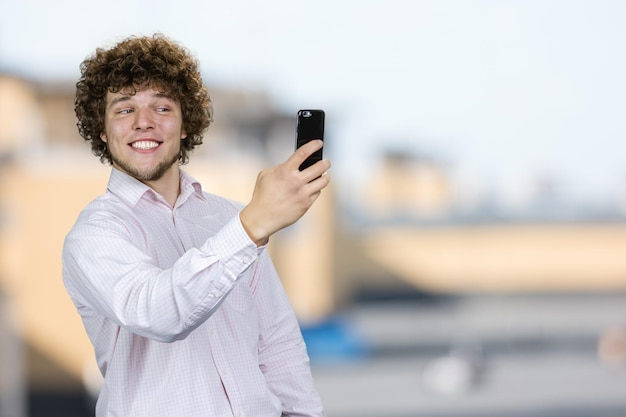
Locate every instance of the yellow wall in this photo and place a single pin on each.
(41, 204)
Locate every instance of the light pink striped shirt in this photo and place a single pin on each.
(186, 315)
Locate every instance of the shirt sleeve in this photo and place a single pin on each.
(104, 270)
(283, 357)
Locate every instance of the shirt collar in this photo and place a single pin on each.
(131, 190)
(189, 186)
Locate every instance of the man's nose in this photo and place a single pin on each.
(143, 119)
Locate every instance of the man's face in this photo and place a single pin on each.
(143, 133)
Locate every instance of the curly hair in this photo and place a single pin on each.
(134, 64)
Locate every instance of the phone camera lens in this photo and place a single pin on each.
(306, 113)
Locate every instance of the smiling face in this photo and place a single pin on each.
(143, 132)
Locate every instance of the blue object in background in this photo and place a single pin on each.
(333, 340)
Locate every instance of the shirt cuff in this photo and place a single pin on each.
(233, 247)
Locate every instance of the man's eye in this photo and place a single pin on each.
(163, 109)
(124, 111)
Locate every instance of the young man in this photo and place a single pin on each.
(177, 293)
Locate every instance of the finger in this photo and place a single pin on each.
(316, 170)
(317, 184)
(303, 152)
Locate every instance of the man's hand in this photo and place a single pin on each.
(283, 194)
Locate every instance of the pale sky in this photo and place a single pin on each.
(503, 91)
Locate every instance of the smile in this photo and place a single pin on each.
(144, 144)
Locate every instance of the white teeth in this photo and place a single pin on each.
(144, 144)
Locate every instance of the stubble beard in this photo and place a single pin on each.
(148, 175)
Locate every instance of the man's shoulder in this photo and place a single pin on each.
(104, 208)
(105, 203)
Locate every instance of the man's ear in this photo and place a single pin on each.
(103, 136)
(183, 135)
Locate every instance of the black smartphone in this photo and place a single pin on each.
(310, 126)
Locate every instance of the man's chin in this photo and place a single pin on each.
(145, 174)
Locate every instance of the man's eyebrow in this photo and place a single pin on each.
(118, 99)
(163, 95)
(127, 97)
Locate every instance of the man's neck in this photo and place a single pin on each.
(168, 185)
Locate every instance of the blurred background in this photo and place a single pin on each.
(469, 258)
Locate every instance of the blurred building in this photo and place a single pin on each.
(412, 231)
(409, 186)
